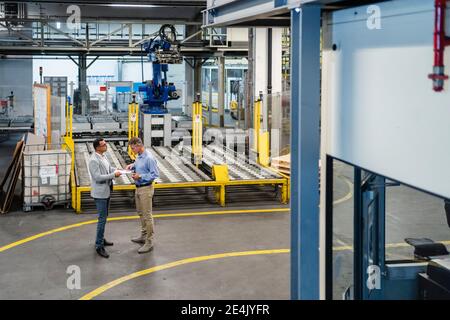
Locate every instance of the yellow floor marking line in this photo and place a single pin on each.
(166, 215)
(177, 263)
(117, 282)
(207, 213)
(43, 234)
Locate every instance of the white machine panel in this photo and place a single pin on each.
(380, 112)
(149, 123)
(157, 134)
(158, 120)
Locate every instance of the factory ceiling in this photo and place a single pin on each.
(186, 12)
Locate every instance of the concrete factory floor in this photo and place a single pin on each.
(237, 252)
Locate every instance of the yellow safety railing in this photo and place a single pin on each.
(220, 172)
(68, 138)
(261, 145)
(67, 118)
(263, 148)
(197, 132)
(220, 183)
(133, 124)
(71, 121)
(69, 145)
(261, 140)
(256, 124)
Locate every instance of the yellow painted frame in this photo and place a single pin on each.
(220, 172)
(256, 125)
(263, 149)
(220, 182)
(133, 126)
(197, 132)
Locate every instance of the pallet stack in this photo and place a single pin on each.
(8, 185)
(282, 164)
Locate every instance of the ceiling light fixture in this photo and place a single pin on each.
(122, 5)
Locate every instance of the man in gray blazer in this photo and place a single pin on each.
(102, 175)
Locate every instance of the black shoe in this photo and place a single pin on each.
(107, 243)
(102, 252)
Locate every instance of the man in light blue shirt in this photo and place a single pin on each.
(145, 172)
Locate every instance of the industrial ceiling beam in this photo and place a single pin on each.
(63, 33)
(170, 12)
(188, 3)
(230, 13)
(19, 34)
(145, 39)
(118, 51)
(108, 35)
(103, 20)
(264, 13)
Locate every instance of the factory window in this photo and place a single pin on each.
(215, 79)
(235, 73)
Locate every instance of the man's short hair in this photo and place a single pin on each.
(97, 142)
(135, 141)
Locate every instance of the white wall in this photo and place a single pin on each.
(260, 52)
(131, 71)
(237, 34)
(67, 68)
(55, 68)
(16, 75)
(260, 59)
(380, 112)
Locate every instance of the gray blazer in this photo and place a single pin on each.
(101, 178)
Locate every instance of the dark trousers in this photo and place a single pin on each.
(102, 209)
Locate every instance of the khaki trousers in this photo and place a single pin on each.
(143, 198)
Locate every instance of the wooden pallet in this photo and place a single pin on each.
(282, 164)
(8, 185)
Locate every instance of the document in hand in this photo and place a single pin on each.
(125, 171)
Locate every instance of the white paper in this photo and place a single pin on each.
(47, 171)
(125, 171)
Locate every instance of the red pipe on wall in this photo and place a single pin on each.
(440, 42)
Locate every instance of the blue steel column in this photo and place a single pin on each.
(305, 147)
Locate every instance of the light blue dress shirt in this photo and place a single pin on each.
(145, 165)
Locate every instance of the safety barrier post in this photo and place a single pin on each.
(136, 123)
(220, 174)
(256, 124)
(133, 123)
(67, 119)
(197, 131)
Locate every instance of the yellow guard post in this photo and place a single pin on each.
(261, 144)
(220, 174)
(133, 123)
(197, 132)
